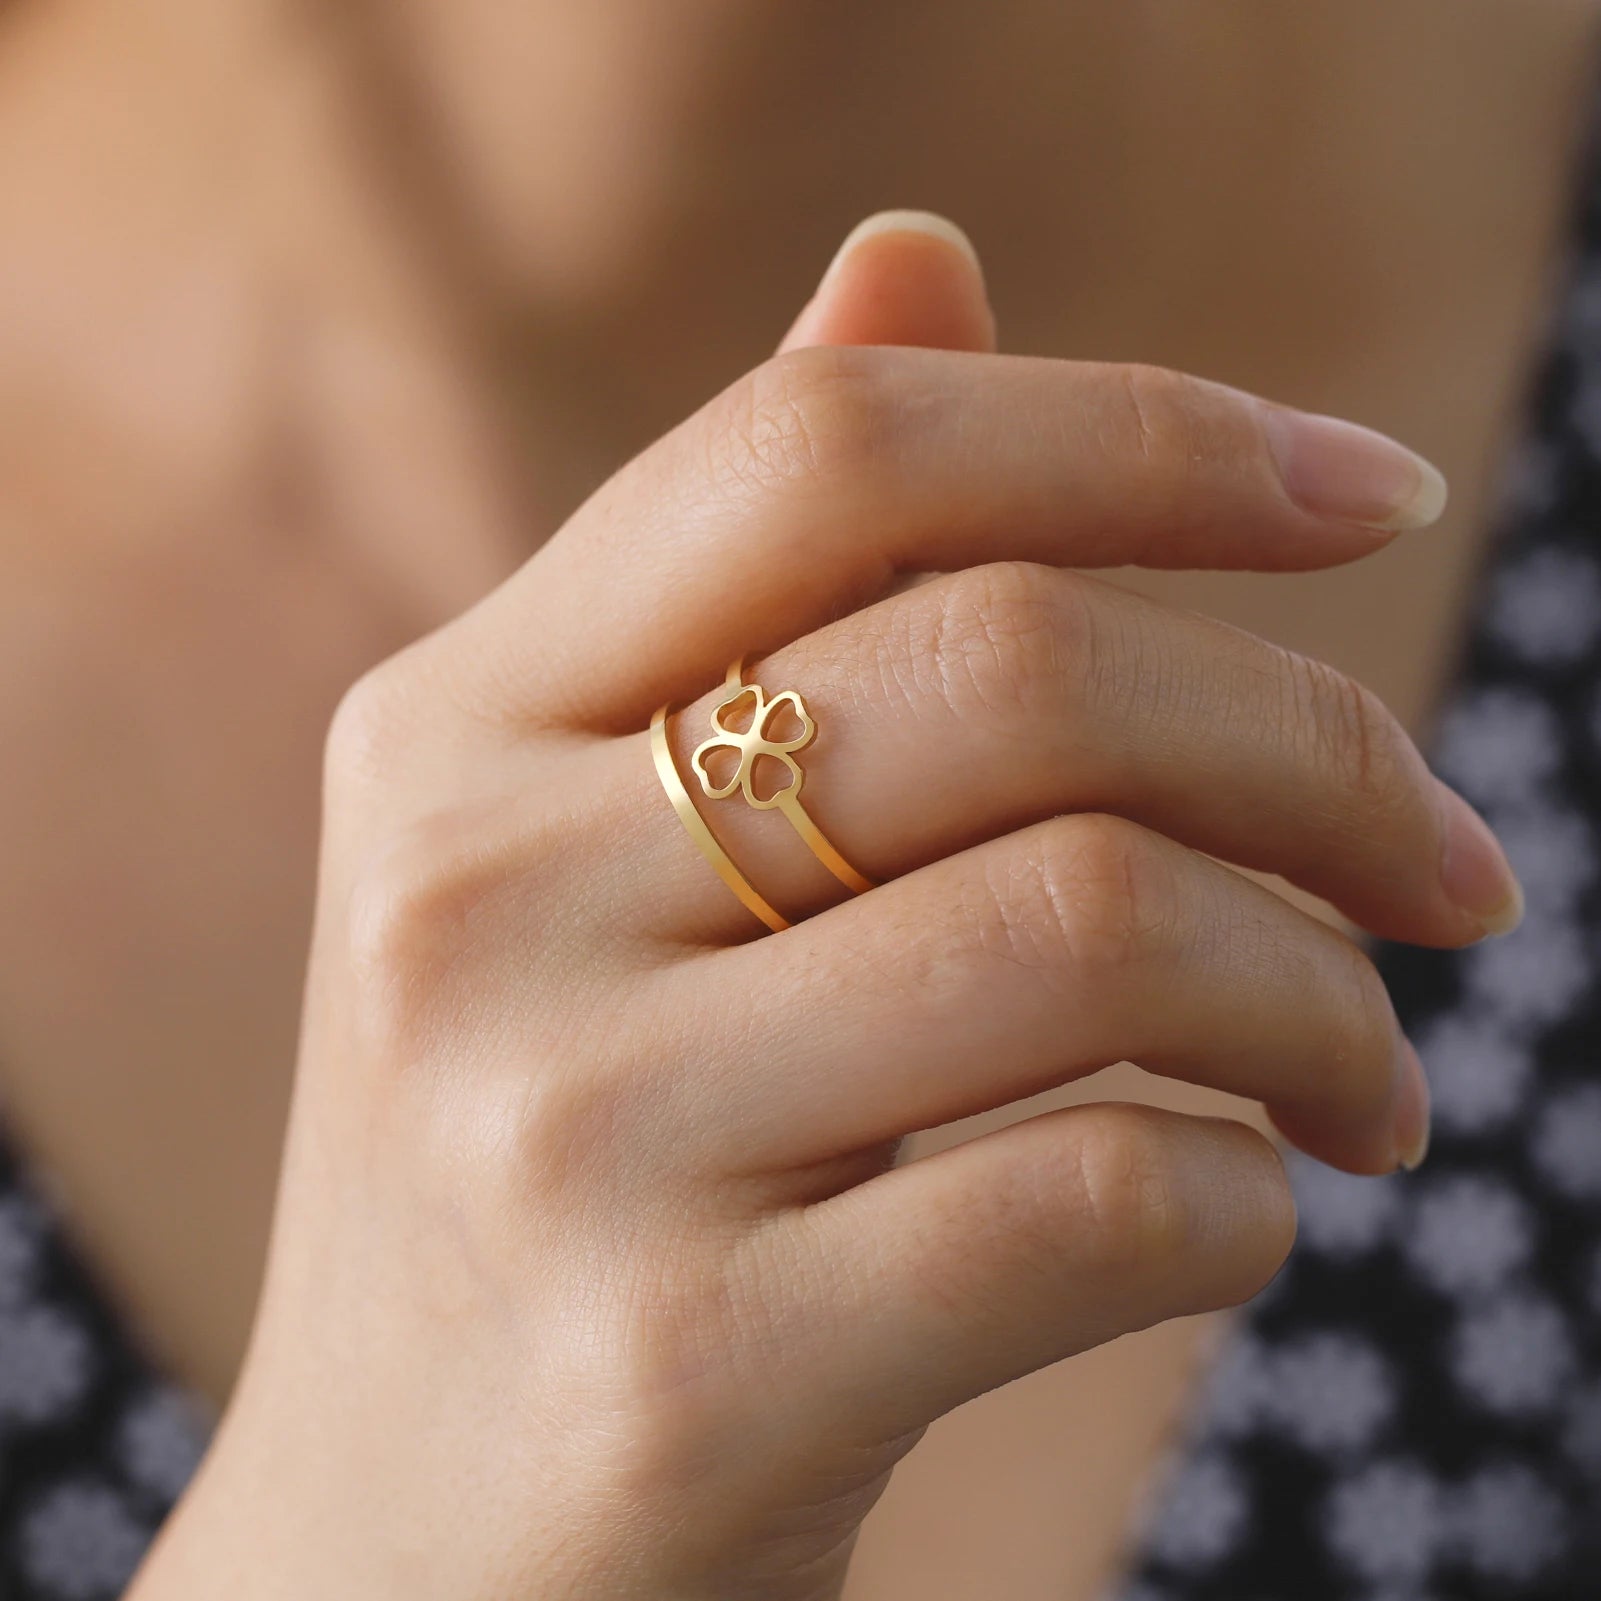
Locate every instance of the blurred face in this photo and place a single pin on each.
(580, 132)
(561, 123)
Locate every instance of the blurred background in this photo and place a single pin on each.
(316, 318)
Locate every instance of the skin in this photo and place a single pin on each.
(157, 1107)
(625, 1267)
(279, 414)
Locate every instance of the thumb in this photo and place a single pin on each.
(900, 278)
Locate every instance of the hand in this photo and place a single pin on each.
(593, 1274)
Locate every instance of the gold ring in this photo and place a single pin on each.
(752, 746)
(757, 744)
(695, 824)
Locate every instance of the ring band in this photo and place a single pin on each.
(752, 746)
(667, 771)
(755, 744)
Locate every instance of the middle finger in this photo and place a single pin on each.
(990, 699)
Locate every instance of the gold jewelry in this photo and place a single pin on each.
(695, 824)
(755, 745)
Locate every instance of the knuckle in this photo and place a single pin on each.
(1158, 414)
(1355, 744)
(997, 640)
(380, 730)
(409, 904)
(806, 419)
(430, 919)
(1134, 1211)
(367, 727)
(585, 1120)
(1087, 896)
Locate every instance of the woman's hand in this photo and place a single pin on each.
(593, 1274)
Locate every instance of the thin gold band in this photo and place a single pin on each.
(695, 825)
(789, 803)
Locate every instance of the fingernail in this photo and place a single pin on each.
(1412, 1112)
(924, 222)
(1338, 469)
(1474, 871)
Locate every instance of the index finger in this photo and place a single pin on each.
(802, 490)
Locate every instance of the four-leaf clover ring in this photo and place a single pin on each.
(762, 768)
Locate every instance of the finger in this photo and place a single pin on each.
(1038, 959)
(900, 278)
(802, 490)
(993, 698)
(987, 1261)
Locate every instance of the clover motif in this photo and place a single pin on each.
(755, 744)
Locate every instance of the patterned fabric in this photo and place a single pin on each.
(1413, 1409)
(94, 1447)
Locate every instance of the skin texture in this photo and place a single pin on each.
(615, 1263)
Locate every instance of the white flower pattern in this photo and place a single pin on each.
(1509, 1523)
(1547, 607)
(94, 1449)
(1341, 1215)
(1514, 1356)
(1479, 1073)
(1386, 1522)
(1330, 1392)
(159, 1441)
(1205, 1512)
(1566, 1143)
(81, 1542)
(1469, 1232)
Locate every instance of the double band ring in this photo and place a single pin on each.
(760, 766)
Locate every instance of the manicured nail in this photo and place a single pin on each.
(1474, 871)
(1334, 468)
(925, 222)
(1412, 1112)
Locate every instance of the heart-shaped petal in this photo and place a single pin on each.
(791, 703)
(741, 713)
(731, 743)
(761, 763)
